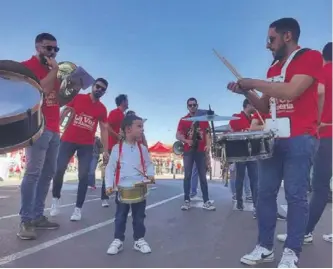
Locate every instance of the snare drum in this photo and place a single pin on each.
(21, 119)
(130, 194)
(245, 146)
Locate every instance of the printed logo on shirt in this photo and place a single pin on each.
(84, 121)
(51, 99)
(284, 106)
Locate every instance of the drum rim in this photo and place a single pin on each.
(34, 109)
(247, 135)
(27, 142)
(250, 158)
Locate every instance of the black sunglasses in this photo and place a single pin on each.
(99, 87)
(192, 105)
(50, 48)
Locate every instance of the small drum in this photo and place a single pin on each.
(21, 119)
(245, 146)
(130, 194)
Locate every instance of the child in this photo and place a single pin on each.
(133, 156)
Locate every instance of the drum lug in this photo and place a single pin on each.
(249, 147)
(262, 147)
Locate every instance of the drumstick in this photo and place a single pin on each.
(237, 75)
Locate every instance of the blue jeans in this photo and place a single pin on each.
(84, 155)
(199, 158)
(292, 159)
(322, 173)
(246, 189)
(194, 180)
(138, 216)
(41, 160)
(92, 171)
(252, 170)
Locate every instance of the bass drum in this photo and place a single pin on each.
(21, 119)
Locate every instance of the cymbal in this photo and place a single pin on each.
(213, 117)
(222, 128)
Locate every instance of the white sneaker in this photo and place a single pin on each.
(105, 203)
(115, 247)
(142, 246)
(308, 239)
(209, 206)
(289, 259)
(328, 237)
(55, 207)
(186, 205)
(76, 214)
(258, 255)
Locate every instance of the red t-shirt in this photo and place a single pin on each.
(241, 124)
(184, 128)
(303, 111)
(82, 129)
(264, 116)
(326, 116)
(50, 107)
(115, 119)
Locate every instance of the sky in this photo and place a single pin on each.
(158, 52)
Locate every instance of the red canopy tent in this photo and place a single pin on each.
(160, 148)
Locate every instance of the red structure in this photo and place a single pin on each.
(160, 148)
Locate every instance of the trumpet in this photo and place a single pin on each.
(66, 117)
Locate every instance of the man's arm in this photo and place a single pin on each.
(256, 125)
(104, 135)
(111, 119)
(48, 82)
(321, 100)
(180, 135)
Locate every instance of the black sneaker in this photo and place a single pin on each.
(43, 223)
(27, 231)
(240, 205)
(280, 217)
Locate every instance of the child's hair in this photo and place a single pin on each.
(130, 112)
(128, 121)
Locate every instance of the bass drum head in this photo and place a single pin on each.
(16, 67)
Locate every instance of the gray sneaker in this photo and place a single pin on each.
(27, 231)
(43, 223)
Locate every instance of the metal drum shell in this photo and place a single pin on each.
(14, 130)
(237, 143)
(132, 195)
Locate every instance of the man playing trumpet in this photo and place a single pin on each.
(79, 136)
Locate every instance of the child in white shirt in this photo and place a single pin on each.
(124, 170)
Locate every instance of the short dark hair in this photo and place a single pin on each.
(287, 25)
(103, 80)
(120, 99)
(246, 102)
(44, 36)
(191, 99)
(128, 121)
(130, 112)
(327, 52)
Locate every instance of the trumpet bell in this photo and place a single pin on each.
(178, 148)
(67, 90)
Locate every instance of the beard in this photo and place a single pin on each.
(280, 53)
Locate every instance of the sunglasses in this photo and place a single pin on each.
(192, 105)
(99, 87)
(50, 48)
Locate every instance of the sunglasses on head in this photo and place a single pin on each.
(50, 48)
(192, 105)
(99, 87)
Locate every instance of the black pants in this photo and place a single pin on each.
(66, 152)
(252, 171)
(138, 216)
(200, 160)
(103, 192)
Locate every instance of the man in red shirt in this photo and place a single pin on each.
(243, 124)
(115, 119)
(322, 168)
(41, 156)
(79, 136)
(292, 89)
(194, 152)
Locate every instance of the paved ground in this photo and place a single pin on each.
(178, 239)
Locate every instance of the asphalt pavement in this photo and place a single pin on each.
(196, 238)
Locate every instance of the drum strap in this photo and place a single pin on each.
(118, 162)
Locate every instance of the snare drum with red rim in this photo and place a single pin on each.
(245, 146)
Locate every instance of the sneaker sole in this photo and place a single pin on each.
(25, 237)
(119, 250)
(46, 228)
(304, 242)
(137, 249)
(252, 263)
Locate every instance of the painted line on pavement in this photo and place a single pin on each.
(50, 243)
(47, 209)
